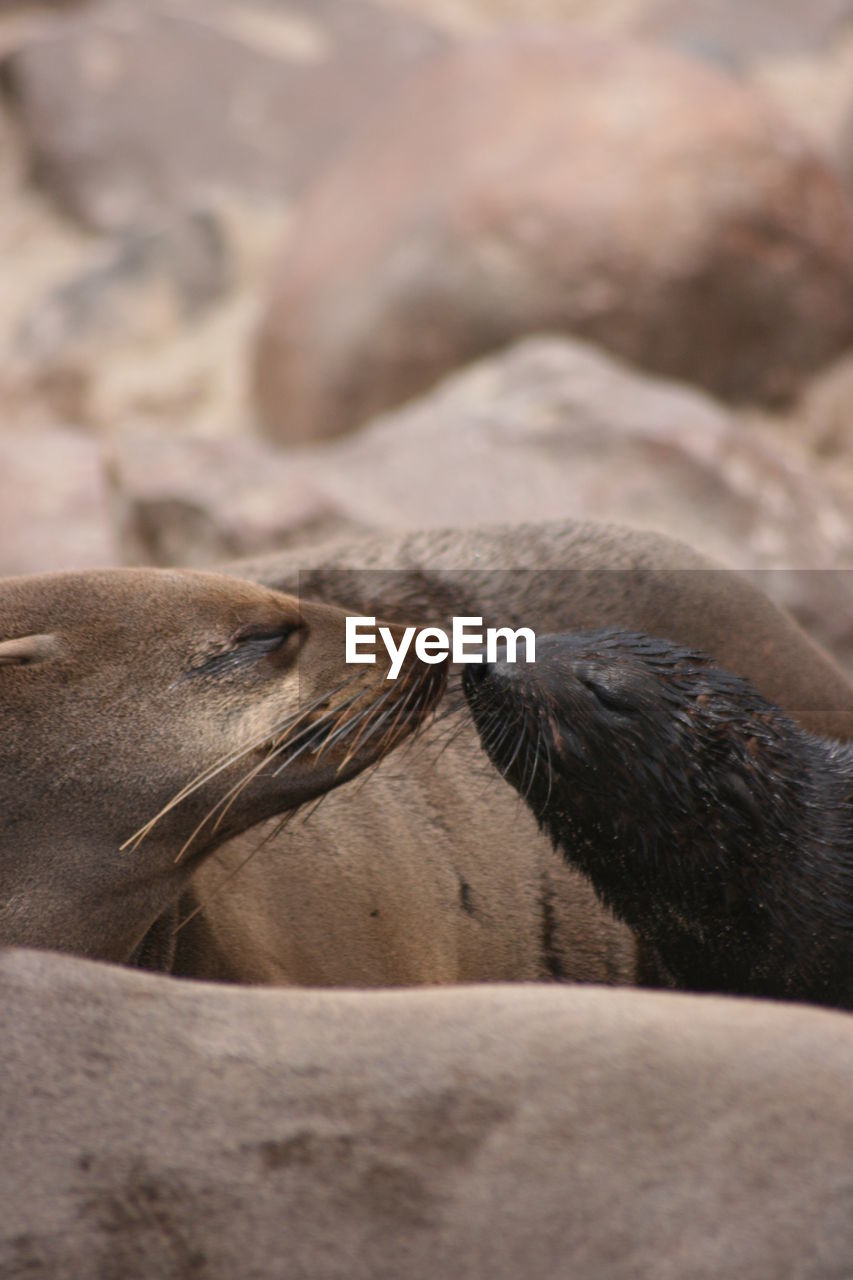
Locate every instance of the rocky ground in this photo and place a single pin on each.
(604, 269)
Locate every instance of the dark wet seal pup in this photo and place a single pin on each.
(706, 819)
(150, 715)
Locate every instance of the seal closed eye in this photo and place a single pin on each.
(148, 716)
(706, 819)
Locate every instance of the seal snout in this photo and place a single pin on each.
(482, 673)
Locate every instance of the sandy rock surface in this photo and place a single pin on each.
(128, 110)
(722, 28)
(149, 159)
(54, 503)
(799, 54)
(551, 428)
(128, 431)
(539, 181)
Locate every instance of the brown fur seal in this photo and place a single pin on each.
(183, 707)
(432, 871)
(709, 821)
(156, 1128)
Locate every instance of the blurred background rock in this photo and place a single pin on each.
(279, 268)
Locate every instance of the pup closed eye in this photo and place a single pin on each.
(610, 699)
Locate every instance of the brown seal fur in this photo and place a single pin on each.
(157, 1128)
(120, 688)
(433, 871)
(709, 821)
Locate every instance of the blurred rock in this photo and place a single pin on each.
(799, 53)
(133, 289)
(826, 414)
(554, 428)
(549, 429)
(148, 328)
(735, 32)
(845, 131)
(727, 31)
(53, 504)
(799, 56)
(130, 110)
(814, 91)
(196, 502)
(537, 182)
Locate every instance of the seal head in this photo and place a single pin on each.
(709, 821)
(150, 715)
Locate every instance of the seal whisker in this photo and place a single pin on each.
(372, 727)
(312, 733)
(315, 735)
(340, 731)
(403, 714)
(529, 786)
(422, 690)
(446, 725)
(501, 730)
(415, 739)
(448, 737)
(213, 771)
(374, 715)
(550, 771)
(345, 723)
(132, 843)
(282, 738)
(224, 803)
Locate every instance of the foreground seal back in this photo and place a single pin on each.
(716, 827)
(158, 1128)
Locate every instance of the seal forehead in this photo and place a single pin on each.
(159, 601)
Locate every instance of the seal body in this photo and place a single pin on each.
(153, 1127)
(704, 816)
(147, 717)
(432, 871)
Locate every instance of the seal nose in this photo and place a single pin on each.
(477, 672)
(481, 671)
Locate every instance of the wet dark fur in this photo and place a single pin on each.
(716, 827)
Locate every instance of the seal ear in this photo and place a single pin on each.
(24, 651)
